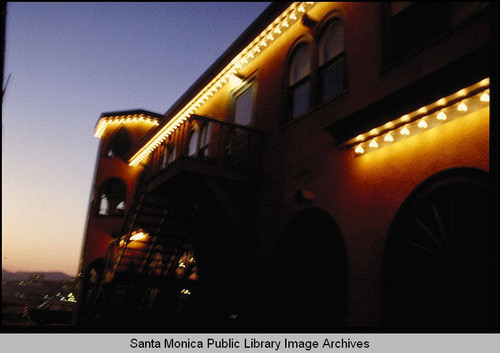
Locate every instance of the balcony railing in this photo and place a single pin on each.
(216, 142)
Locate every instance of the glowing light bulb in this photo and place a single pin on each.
(462, 107)
(388, 137)
(373, 144)
(485, 97)
(285, 24)
(405, 131)
(359, 149)
(422, 124)
(441, 116)
(301, 9)
(293, 16)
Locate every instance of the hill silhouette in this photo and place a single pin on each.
(47, 276)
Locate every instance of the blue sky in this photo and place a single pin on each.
(69, 62)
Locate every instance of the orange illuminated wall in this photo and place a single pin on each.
(100, 228)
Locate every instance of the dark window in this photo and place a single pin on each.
(112, 198)
(331, 60)
(299, 80)
(120, 144)
(413, 25)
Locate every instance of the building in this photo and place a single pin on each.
(330, 171)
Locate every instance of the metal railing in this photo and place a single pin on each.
(207, 139)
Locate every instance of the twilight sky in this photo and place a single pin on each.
(69, 62)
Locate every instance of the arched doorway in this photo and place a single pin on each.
(441, 256)
(309, 284)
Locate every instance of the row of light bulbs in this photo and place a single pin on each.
(443, 115)
(290, 16)
(123, 119)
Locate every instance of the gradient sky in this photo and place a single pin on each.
(69, 62)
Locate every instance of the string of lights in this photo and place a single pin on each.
(446, 109)
(122, 119)
(291, 15)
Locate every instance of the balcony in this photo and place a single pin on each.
(206, 146)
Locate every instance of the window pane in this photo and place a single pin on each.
(244, 107)
(172, 154)
(193, 143)
(205, 142)
(333, 79)
(301, 64)
(331, 42)
(300, 96)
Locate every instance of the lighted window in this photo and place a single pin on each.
(193, 143)
(112, 198)
(120, 144)
(243, 114)
(331, 60)
(164, 157)
(299, 80)
(172, 153)
(206, 132)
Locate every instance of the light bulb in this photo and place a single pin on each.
(373, 144)
(405, 131)
(462, 107)
(441, 116)
(388, 138)
(359, 149)
(422, 124)
(485, 97)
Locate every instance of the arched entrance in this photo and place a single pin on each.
(441, 256)
(309, 284)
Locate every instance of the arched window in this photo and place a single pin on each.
(193, 143)
(120, 144)
(171, 153)
(441, 256)
(163, 157)
(112, 198)
(331, 60)
(206, 132)
(299, 80)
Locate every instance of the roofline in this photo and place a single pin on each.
(132, 112)
(269, 14)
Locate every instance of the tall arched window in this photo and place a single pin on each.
(193, 143)
(206, 132)
(112, 198)
(331, 60)
(164, 157)
(120, 144)
(299, 80)
(171, 153)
